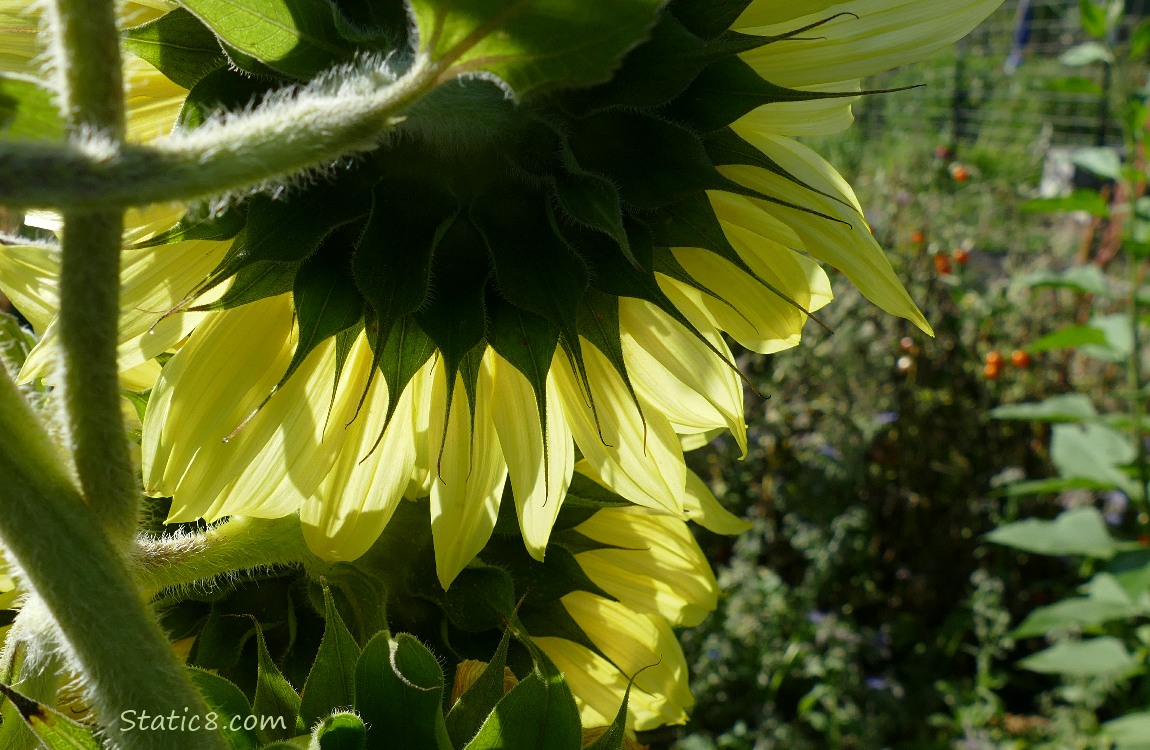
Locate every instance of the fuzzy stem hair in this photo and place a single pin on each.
(107, 632)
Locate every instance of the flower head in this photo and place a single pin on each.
(491, 294)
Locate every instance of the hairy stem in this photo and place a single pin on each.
(71, 564)
(235, 546)
(282, 137)
(87, 51)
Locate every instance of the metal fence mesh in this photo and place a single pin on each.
(1005, 84)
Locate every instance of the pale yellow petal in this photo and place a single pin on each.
(876, 36)
(468, 474)
(277, 459)
(764, 12)
(631, 641)
(805, 118)
(657, 568)
(539, 486)
(419, 485)
(751, 314)
(793, 273)
(844, 242)
(704, 508)
(353, 504)
(230, 363)
(152, 101)
(677, 374)
(19, 41)
(29, 276)
(141, 377)
(636, 454)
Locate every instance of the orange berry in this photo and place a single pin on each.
(959, 173)
(942, 263)
(960, 256)
(992, 370)
(994, 358)
(917, 237)
(1019, 358)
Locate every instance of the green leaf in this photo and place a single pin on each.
(1119, 337)
(208, 224)
(532, 46)
(221, 640)
(1069, 337)
(537, 714)
(341, 731)
(1080, 531)
(468, 713)
(1129, 732)
(53, 728)
(275, 697)
(1080, 200)
(399, 693)
(16, 341)
(1140, 39)
(1067, 407)
(1086, 54)
(178, 45)
(1106, 601)
(298, 38)
(1093, 18)
(218, 90)
(226, 699)
(616, 733)
(1052, 486)
(255, 281)
(1095, 657)
(1092, 451)
(28, 110)
(331, 681)
(1101, 161)
(1088, 279)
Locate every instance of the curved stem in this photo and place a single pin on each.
(282, 137)
(237, 545)
(58, 544)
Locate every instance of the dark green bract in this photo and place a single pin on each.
(514, 205)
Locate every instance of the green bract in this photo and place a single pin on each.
(509, 212)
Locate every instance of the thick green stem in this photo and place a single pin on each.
(237, 545)
(89, 333)
(66, 558)
(90, 78)
(281, 138)
(87, 58)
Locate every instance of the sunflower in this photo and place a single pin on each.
(491, 296)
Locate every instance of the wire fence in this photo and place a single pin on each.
(1005, 84)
